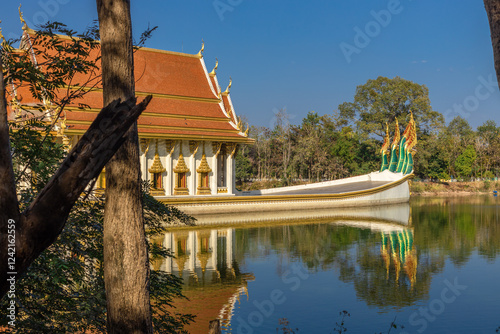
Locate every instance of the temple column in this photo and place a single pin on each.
(193, 148)
(216, 147)
(231, 168)
(213, 248)
(229, 247)
(169, 178)
(144, 145)
(191, 246)
(167, 243)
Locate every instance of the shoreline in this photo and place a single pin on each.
(454, 189)
(450, 193)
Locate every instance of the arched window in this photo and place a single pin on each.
(157, 171)
(180, 181)
(203, 179)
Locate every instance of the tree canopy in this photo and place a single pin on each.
(383, 100)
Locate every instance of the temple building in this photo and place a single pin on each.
(189, 134)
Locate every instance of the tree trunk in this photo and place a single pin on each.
(126, 264)
(493, 10)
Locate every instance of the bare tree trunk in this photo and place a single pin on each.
(126, 264)
(493, 10)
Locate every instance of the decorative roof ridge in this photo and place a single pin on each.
(226, 92)
(200, 53)
(31, 31)
(213, 73)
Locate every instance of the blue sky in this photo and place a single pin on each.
(310, 55)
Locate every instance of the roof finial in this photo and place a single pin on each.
(2, 39)
(25, 25)
(200, 54)
(229, 86)
(216, 66)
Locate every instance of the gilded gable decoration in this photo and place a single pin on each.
(181, 166)
(144, 143)
(216, 147)
(215, 68)
(200, 54)
(156, 171)
(203, 177)
(170, 146)
(25, 25)
(228, 86)
(157, 167)
(232, 148)
(204, 167)
(193, 146)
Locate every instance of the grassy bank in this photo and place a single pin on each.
(453, 188)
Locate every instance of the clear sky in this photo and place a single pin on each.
(310, 55)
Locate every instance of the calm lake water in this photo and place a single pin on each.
(435, 270)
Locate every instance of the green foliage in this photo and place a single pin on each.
(465, 161)
(488, 174)
(383, 100)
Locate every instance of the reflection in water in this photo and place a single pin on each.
(398, 246)
(388, 266)
(204, 259)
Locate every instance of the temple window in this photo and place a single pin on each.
(203, 179)
(180, 181)
(157, 171)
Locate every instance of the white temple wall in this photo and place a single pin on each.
(192, 160)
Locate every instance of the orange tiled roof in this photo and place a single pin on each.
(186, 99)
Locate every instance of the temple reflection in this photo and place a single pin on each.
(376, 255)
(204, 259)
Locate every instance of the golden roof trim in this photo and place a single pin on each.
(173, 136)
(212, 74)
(165, 127)
(151, 114)
(174, 53)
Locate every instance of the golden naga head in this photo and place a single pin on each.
(385, 145)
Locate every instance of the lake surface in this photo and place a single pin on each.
(435, 270)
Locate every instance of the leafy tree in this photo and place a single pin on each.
(465, 161)
(383, 100)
